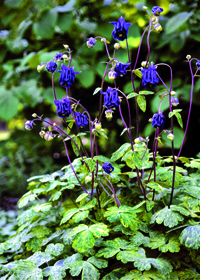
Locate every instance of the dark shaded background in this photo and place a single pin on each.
(33, 31)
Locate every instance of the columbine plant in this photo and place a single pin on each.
(99, 222)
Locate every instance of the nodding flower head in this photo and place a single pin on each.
(67, 76)
(149, 76)
(51, 66)
(174, 101)
(158, 120)
(63, 107)
(107, 167)
(198, 63)
(111, 98)
(156, 10)
(58, 56)
(29, 125)
(120, 29)
(120, 69)
(91, 42)
(81, 120)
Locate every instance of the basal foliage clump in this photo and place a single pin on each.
(132, 216)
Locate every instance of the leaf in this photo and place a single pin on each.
(68, 214)
(143, 263)
(13, 3)
(27, 270)
(29, 196)
(81, 196)
(179, 119)
(176, 21)
(96, 90)
(34, 244)
(138, 73)
(145, 275)
(102, 133)
(167, 216)
(54, 272)
(120, 152)
(40, 258)
(80, 216)
(116, 274)
(40, 231)
(137, 160)
(72, 259)
(146, 92)
(190, 237)
(91, 164)
(44, 28)
(132, 94)
(55, 249)
(84, 238)
(89, 272)
(8, 104)
(141, 101)
(100, 263)
(139, 239)
(124, 214)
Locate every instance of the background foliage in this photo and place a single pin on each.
(33, 31)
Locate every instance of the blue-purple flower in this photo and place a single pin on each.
(58, 56)
(107, 167)
(120, 29)
(158, 120)
(174, 101)
(81, 120)
(29, 125)
(120, 69)
(63, 107)
(91, 42)
(67, 76)
(51, 66)
(149, 76)
(198, 63)
(156, 10)
(111, 98)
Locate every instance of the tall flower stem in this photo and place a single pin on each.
(190, 108)
(72, 165)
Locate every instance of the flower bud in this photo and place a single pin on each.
(158, 27)
(188, 56)
(91, 42)
(54, 124)
(88, 179)
(97, 126)
(108, 114)
(143, 64)
(116, 46)
(48, 136)
(29, 125)
(173, 93)
(170, 136)
(138, 140)
(150, 120)
(174, 101)
(42, 133)
(34, 115)
(111, 75)
(144, 8)
(66, 46)
(40, 67)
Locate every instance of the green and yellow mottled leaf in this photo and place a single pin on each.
(27, 270)
(168, 217)
(190, 237)
(80, 216)
(55, 249)
(141, 101)
(120, 152)
(89, 272)
(72, 259)
(54, 272)
(26, 198)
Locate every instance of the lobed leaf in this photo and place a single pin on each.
(190, 237)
